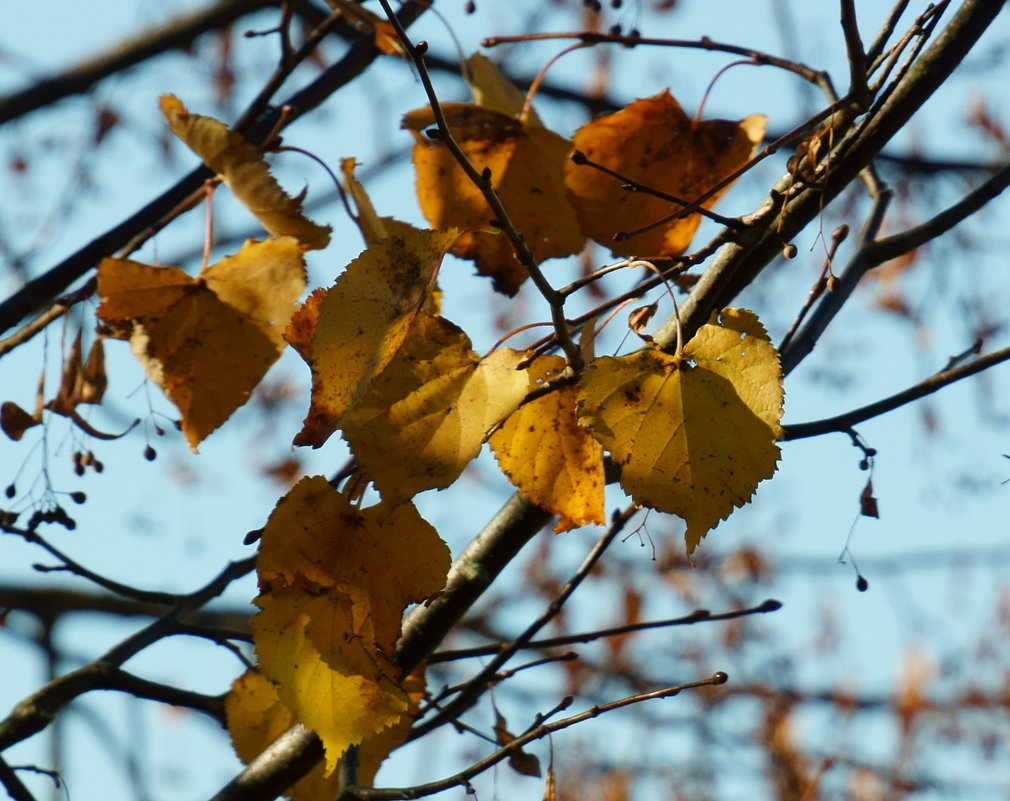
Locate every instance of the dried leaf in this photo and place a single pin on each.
(549, 457)
(526, 167)
(695, 434)
(437, 403)
(15, 421)
(207, 342)
(520, 761)
(868, 503)
(243, 168)
(351, 332)
(336, 580)
(654, 143)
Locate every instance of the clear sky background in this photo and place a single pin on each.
(172, 523)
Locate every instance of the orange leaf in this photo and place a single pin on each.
(654, 143)
(526, 165)
(207, 341)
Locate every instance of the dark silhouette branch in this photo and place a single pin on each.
(36, 712)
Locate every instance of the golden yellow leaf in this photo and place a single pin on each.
(243, 168)
(526, 165)
(695, 434)
(315, 534)
(349, 334)
(436, 407)
(653, 142)
(256, 717)
(492, 90)
(206, 341)
(546, 454)
(341, 706)
(336, 580)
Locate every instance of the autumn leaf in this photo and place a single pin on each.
(207, 341)
(255, 718)
(493, 91)
(242, 167)
(654, 143)
(335, 582)
(526, 168)
(349, 333)
(695, 433)
(437, 402)
(549, 456)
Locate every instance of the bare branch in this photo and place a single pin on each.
(926, 387)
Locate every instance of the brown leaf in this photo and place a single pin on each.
(15, 421)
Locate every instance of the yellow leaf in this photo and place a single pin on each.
(336, 580)
(341, 706)
(208, 341)
(653, 142)
(546, 454)
(315, 534)
(242, 167)
(350, 333)
(696, 434)
(256, 717)
(436, 407)
(526, 165)
(492, 90)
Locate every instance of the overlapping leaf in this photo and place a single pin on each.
(349, 333)
(654, 143)
(242, 167)
(694, 434)
(549, 456)
(256, 717)
(336, 580)
(436, 403)
(206, 341)
(526, 168)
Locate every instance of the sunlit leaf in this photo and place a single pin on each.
(549, 456)
(526, 168)
(653, 142)
(335, 582)
(492, 90)
(436, 406)
(206, 341)
(694, 434)
(243, 168)
(351, 332)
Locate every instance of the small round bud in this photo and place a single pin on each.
(862, 584)
(789, 251)
(150, 453)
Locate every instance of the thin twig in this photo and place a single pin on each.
(859, 91)
(554, 299)
(478, 684)
(699, 616)
(536, 733)
(593, 37)
(926, 387)
(34, 713)
(71, 566)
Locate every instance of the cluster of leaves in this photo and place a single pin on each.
(693, 431)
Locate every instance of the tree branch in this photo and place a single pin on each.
(34, 713)
(843, 422)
